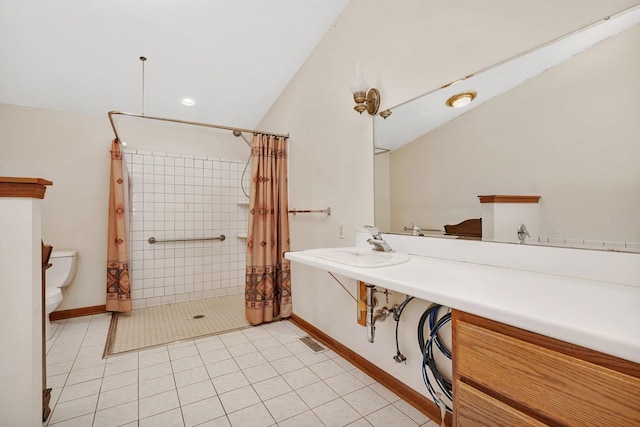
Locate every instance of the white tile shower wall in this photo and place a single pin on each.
(179, 196)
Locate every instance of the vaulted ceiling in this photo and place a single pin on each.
(233, 57)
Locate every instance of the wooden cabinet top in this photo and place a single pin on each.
(23, 187)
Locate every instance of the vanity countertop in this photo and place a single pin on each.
(594, 314)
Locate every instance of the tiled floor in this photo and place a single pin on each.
(262, 376)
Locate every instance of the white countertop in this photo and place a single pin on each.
(593, 314)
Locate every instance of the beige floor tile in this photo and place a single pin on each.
(156, 386)
(171, 418)
(261, 375)
(317, 394)
(74, 408)
(365, 401)
(118, 396)
(228, 382)
(238, 399)
(195, 392)
(203, 411)
(285, 406)
(222, 367)
(158, 403)
(191, 376)
(390, 415)
(76, 391)
(117, 416)
(338, 413)
(271, 388)
(253, 416)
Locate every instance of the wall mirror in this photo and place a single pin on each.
(560, 121)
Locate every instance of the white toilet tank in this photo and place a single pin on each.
(63, 268)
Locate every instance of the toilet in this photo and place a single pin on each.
(60, 274)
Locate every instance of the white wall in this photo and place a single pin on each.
(73, 151)
(406, 48)
(21, 311)
(569, 135)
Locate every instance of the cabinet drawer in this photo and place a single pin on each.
(554, 385)
(477, 409)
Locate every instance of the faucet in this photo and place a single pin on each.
(522, 233)
(377, 241)
(415, 230)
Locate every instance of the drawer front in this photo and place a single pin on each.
(476, 409)
(557, 386)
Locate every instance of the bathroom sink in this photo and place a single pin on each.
(360, 257)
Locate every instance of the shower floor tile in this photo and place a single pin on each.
(153, 326)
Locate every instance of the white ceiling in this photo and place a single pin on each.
(421, 115)
(233, 56)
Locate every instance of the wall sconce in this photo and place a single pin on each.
(370, 100)
(461, 99)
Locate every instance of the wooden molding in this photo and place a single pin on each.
(409, 395)
(362, 295)
(77, 312)
(503, 198)
(23, 187)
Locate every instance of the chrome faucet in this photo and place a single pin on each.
(522, 233)
(377, 241)
(415, 230)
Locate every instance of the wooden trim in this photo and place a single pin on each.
(23, 187)
(77, 312)
(362, 295)
(455, 377)
(502, 198)
(409, 395)
(605, 360)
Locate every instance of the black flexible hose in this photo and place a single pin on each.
(426, 348)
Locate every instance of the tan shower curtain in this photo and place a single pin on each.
(118, 284)
(268, 284)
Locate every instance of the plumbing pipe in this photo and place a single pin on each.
(370, 323)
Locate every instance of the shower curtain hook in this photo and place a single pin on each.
(143, 59)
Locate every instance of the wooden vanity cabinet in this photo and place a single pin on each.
(505, 376)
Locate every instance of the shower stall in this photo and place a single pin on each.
(186, 197)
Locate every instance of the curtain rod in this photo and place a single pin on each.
(185, 122)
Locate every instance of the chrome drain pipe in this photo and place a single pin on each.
(369, 321)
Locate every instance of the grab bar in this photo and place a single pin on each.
(297, 211)
(153, 240)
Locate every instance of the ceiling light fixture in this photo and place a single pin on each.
(189, 102)
(461, 99)
(370, 100)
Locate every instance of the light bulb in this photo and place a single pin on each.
(461, 100)
(358, 84)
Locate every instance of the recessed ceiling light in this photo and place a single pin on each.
(462, 99)
(189, 102)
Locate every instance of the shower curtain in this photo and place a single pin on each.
(118, 283)
(268, 284)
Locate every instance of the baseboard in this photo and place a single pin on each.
(77, 312)
(409, 395)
